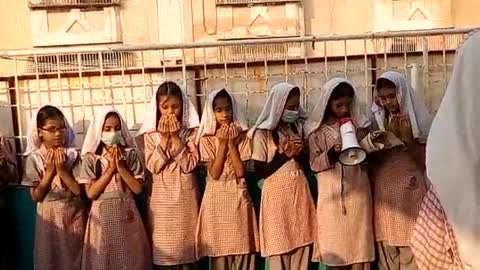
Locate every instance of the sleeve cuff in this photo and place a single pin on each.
(177, 154)
(161, 153)
(84, 181)
(29, 183)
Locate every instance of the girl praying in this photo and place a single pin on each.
(227, 230)
(171, 156)
(398, 173)
(344, 206)
(111, 170)
(287, 210)
(51, 169)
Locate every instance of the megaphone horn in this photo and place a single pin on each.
(352, 154)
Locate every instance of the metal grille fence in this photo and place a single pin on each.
(126, 76)
(71, 3)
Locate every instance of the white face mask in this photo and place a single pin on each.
(111, 138)
(289, 116)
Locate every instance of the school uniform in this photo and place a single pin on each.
(287, 210)
(61, 216)
(399, 184)
(115, 236)
(227, 230)
(344, 238)
(172, 209)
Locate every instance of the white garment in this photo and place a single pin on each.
(208, 125)
(453, 151)
(190, 117)
(273, 108)
(94, 132)
(410, 103)
(33, 141)
(315, 118)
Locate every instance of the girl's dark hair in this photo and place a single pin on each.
(385, 83)
(46, 113)
(342, 90)
(112, 114)
(294, 90)
(222, 94)
(168, 88)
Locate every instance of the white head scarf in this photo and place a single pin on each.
(316, 116)
(273, 109)
(94, 133)
(410, 103)
(33, 141)
(189, 116)
(453, 151)
(208, 124)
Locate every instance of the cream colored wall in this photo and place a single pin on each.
(158, 21)
(337, 16)
(14, 25)
(466, 13)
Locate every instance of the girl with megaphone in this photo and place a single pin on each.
(344, 205)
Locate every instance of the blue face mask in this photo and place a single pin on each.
(111, 138)
(289, 116)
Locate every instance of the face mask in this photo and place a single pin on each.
(289, 116)
(111, 138)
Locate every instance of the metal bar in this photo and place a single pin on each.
(249, 2)
(205, 78)
(317, 38)
(123, 88)
(305, 80)
(80, 79)
(143, 79)
(59, 79)
(325, 52)
(164, 69)
(246, 81)
(184, 70)
(285, 56)
(368, 93)
(19, 109)
(102, 83)
(426, 84)
(345, 67)
(37, 80)
(444, 63)
(225, 71)
(405, 62)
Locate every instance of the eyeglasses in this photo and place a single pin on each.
(54, 130)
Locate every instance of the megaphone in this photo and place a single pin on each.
(352, 154)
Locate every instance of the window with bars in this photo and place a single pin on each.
(249, 53)
(83, 61)
(418, 44)
(251, 2)
(71, 3)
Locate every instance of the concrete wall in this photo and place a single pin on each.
(166, 21)
(465, 13)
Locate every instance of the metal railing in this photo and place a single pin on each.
(71, 3)
(248, 68)
(250, 2)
